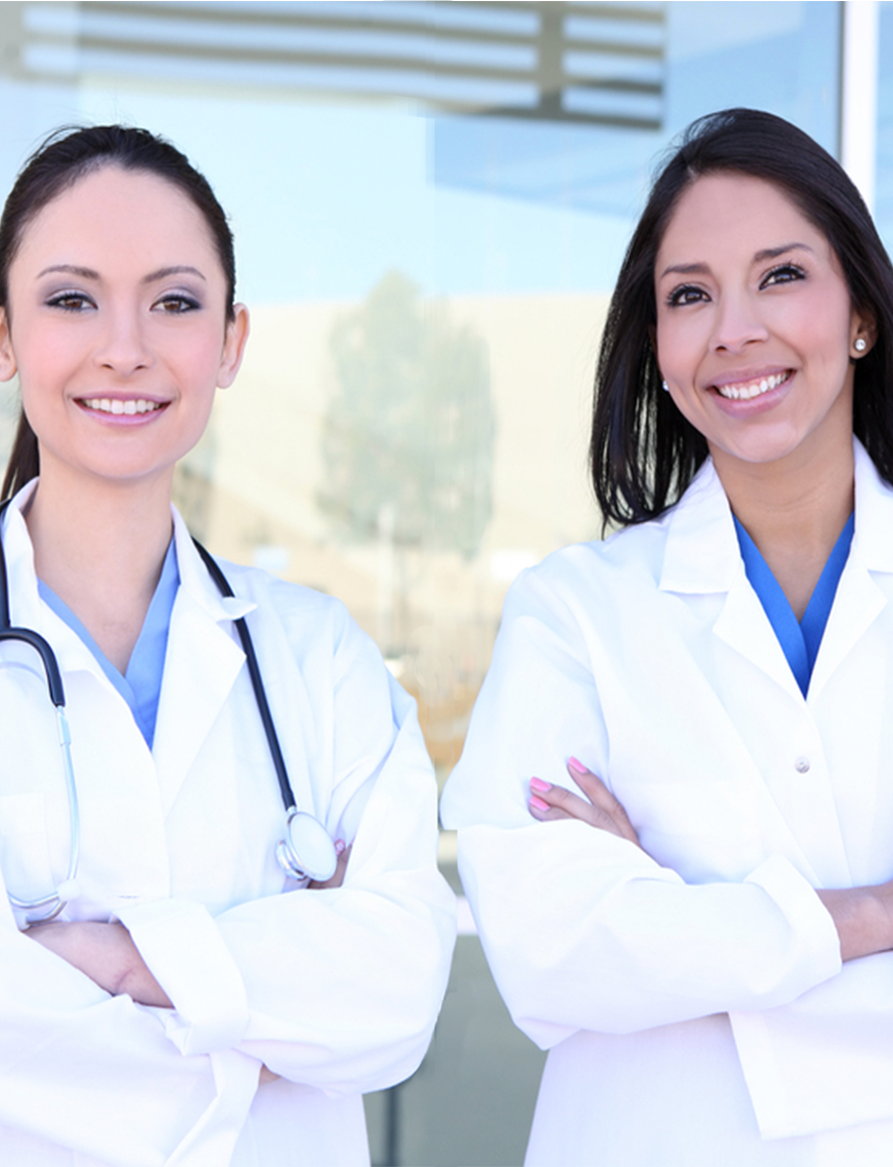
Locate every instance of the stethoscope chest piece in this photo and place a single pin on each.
(307, 851)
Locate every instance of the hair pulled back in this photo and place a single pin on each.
(58, 163)
(643, 452)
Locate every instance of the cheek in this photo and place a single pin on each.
(196, 359)
(48, 358)
(681, 343)
(819, 321)
(41, 376)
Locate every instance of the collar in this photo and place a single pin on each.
(702, 554)
(873, 537)
(27, 610)
(197, 583)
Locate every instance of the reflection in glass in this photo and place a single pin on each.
(431, 201)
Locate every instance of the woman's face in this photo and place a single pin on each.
(755, 329)
(117, 326)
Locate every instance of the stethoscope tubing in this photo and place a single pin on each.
(307, 850)
(56, 901)
(303, 831)
(48, 906)
(257, 684)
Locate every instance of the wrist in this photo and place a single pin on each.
(882, 908)
(863, 917)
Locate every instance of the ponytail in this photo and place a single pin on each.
(24, 461)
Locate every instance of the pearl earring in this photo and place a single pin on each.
(859, 344)
(665, 387)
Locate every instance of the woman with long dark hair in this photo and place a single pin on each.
(676, 797)
(221, 918)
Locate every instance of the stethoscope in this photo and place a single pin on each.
(306, 852)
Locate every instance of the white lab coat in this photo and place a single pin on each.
(337, 991)
(691, 994)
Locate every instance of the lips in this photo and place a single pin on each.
(755, 387)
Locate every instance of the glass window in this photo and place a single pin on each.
(884, 175)
(430, 203)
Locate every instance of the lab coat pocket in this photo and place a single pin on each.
(24, 850)
(702, 830)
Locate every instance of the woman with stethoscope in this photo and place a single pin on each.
(222, 919)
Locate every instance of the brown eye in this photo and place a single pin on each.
(70, 301)
(686, 294)
(177, 305)
(786, 274)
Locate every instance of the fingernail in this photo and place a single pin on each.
(576, 766)
(339, 846)
(537, 803)
(540, 785)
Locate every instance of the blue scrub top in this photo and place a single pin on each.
(799, 640)
(140, 686)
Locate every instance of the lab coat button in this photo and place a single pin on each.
(802, 765)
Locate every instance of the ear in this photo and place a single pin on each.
(8, 366)
(233, 347)
(863, 327)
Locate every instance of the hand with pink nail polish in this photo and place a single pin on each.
(599, 808)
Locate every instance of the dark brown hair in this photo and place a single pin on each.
(643, 452)
(58, 163)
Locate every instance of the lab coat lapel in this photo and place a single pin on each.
(859, 599)
(702, 557)
(857, 604)
(26, 610)
(203, 660)
(744, 627)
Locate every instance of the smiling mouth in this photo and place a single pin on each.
(114, 405)
(749, 389)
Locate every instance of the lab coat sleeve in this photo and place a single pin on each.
(581, 928)
(97, 1075)
(338, 988)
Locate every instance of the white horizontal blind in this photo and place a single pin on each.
(597, 63)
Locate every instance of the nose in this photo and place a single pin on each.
(737, 323)
(123, 346)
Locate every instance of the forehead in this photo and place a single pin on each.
(734, 212)
(120, 212)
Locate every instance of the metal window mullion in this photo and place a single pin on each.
(858, 94)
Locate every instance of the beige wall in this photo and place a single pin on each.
(264, 443)
(263, 456)
(249, 489)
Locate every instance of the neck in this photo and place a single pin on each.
(101, 547)
(794, 510)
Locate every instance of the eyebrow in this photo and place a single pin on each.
(72, 269)
(775, 252)
(87, 273)
(688, 269)
(176, 270)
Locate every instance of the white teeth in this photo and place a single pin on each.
(113, 405)
(751, 389)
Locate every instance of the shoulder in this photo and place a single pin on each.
(632, 572)
(308, 619)
(583, 572)
(288, 599)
